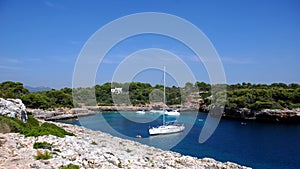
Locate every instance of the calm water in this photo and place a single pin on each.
(257, 145)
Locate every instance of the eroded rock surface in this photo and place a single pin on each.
(94, 149)
(13, 108)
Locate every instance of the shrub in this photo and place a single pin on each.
(43, 156)
(31, 121)
(9, 124)
(94, 143)
(56, 128)
(120, 163)
(31, 128)
(45, 129)
(70, 166)
(43, 145)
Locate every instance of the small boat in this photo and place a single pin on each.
(157, 111)
(243, 123)
(140, 112)
(172, 113)
(138, 136)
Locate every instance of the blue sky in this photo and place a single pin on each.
(258, 41)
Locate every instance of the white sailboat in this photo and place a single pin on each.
(170, 127)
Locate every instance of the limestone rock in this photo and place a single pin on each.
(13, 108)
(110, 152)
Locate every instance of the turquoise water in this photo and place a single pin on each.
(257, 145)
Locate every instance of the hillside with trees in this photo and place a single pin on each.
(261, 96)
(245, 95)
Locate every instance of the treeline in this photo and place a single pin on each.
(43, 100)
(262, 96)
(244, 95)
(139, 94)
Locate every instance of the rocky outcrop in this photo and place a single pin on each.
(284, 116)
(266, 115)
(94, 149)
(238, 113)
(13, 108)
(60, 113)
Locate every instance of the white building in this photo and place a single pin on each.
(116, 90)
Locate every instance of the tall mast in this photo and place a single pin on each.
(164, 108)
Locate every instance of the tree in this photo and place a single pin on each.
(11, 89)
(36, 100)
(203, 86)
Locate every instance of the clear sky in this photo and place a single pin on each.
(258, 41)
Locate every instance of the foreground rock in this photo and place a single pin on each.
(13, 108)
(94, 149)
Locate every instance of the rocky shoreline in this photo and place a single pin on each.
(60, 113)
(94, 149)
(69, 113)
(266, 115)
(242, 114)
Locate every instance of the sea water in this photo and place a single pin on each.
(253, 144)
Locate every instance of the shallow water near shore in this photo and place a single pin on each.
(257, 145)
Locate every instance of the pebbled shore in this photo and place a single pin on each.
(95, 149)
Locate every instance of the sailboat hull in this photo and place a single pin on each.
(166, 129)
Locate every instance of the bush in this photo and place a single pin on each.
(43, 145)
(70, 166)
(31, 128)
(31, 121)
(56, 128)
(9, 124)
(45, 129)
(259, 105)
(43, 156)
(94, 143)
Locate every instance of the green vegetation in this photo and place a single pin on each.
(128, 150)
(14, 90)
(45, 129)
(119, 163)
(259, 96)
(31, 128)
(42, 145)
(43, 100)
(43, 156)
(48, 99)
(94, 143)
(31, 121)
(9, 124)
(244, 95)
(70, 166)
